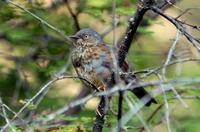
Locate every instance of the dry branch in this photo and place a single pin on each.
(180, 26)
(134, 22)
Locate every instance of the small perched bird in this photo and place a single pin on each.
(93, 60)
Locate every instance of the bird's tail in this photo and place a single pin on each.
(142, 94)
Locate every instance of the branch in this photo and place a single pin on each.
(154, 70)
(100, 116)
(150, 71)
(36, 99)
(182, 81)
(180, 26)
(187, 97)
(120, 106)
(186, 11)
(6, 116)
(151, 116)
(169, 57)
(74, 16)
(134, 22)
(82, 101)
(40, 20)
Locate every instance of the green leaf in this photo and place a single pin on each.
(125, 11)
(97, 3)
(145, 31)
(30, 106)
(93, 12)
(18, 34)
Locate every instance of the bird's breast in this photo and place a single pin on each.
(93, 64)
(82, 58)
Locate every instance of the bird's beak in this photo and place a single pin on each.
(73, 38)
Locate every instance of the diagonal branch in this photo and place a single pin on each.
(134, 22)
(61, 33)
(180, 26)
(36, 99)
(74, 16)
(6, 116)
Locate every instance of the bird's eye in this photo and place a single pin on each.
(86, 36)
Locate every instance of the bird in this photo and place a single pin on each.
(93, 60)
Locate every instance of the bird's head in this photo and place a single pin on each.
(86, 37)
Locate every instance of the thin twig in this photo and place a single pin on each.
(186, 11)
(40, 20)
(40, 95)
(132, 104)
(150, 71)
(152, 115)
(169, 57)
(180, 26)
(167, 112)
(186, 97)
(182, 81)
(154, 70)
(74, 16)
(6, 117)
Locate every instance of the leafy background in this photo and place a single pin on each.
(31, 54)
